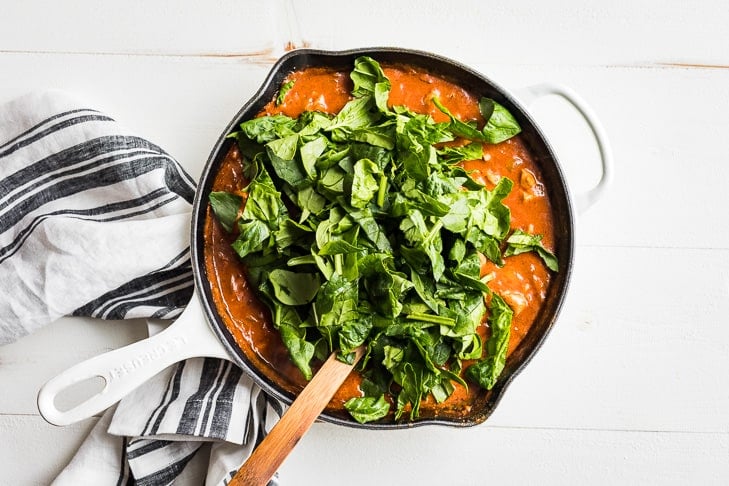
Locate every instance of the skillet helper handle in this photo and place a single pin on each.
(586, 199)
(273, 450)
(126, 368)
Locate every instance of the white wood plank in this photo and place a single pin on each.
(34, 452)
(435, 456)
(456, 456)
(28, 363)
(568, 32)
(213, 28)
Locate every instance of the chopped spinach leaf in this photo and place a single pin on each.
(367, 409)
(486, 371)
(300, 350)
(285, 88)
(225, 206)
(500, 125)
(462, 129)
(294, 288)
(522, 242)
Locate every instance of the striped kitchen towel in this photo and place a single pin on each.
(94, 221)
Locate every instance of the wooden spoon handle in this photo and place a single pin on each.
(276, 446)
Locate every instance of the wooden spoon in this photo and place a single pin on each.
(276, 446)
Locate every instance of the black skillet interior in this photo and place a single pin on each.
(471, 81)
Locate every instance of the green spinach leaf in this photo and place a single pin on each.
(226, 207)
(501, 124)
(487, 371)
(367, 409)
(522, 242)
(294, 288)
(364, 183)
(300, 350)
(285, 88)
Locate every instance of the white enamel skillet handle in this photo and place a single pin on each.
(126, 368)
(585, 199)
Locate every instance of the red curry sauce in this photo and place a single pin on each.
(522, 281)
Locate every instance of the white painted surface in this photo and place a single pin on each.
(630, 388)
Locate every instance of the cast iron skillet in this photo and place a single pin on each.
(126, 368)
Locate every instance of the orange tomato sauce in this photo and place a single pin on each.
(522, 281)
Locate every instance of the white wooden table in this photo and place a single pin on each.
(630, 387)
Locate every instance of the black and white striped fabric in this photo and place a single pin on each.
(94, 221)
